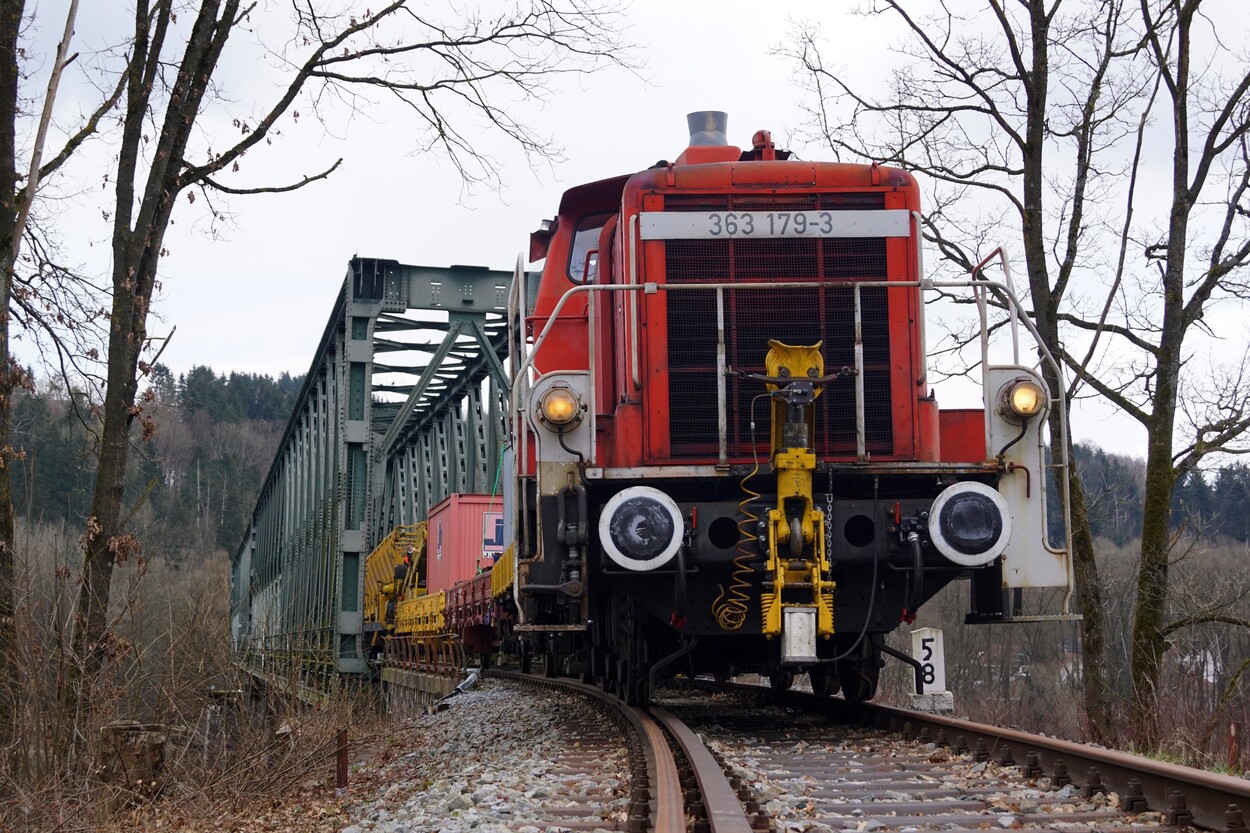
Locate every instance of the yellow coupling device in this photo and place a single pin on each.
(796, 541)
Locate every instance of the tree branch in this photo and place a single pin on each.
(278, 189)
(1204, 619)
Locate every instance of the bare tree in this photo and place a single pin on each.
(1046, 108)
(985, 100)
(444, 73)
(1209, 119)
(19, 291)
(10, 26)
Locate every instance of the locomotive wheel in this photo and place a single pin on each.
(639, 689)
(859, 675)
(627, 685)
(781, 680)
(824, 683)
(859, 683)
(633, 687)
(551, 663)
(607, 682)
(525, 658)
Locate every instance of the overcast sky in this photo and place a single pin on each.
(256, 300)
(255, 294)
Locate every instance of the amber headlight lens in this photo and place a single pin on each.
(1026, 399)
(560, 406)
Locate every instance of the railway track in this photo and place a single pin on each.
(804, 763)
(711, 758)
(610, 740)
(675, 785)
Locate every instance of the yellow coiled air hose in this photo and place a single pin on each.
(730, 607)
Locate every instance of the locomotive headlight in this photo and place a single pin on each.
(1023, 399)
(560, 407)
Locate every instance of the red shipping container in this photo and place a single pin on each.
(465, 536)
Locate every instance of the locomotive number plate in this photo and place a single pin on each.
(736, 225)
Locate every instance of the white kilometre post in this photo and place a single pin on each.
(928, 650)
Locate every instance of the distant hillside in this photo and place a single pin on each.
(1211, 504)
(194, 480)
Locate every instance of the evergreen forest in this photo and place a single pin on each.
(214, 436)
(208, 448)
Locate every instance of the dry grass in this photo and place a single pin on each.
(1028, 675)
(237, 762)
(227, 751)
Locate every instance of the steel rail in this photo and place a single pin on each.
(664, 793)
(725, 813)
(1210, 799)
(1206, 795)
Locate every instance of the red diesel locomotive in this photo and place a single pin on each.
(726, 456)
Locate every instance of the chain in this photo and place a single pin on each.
(829, 516)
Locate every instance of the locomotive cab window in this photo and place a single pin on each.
(586, 240)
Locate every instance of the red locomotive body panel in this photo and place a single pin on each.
(963, 435)
(651, 397)
(677, 333)
(572, 258)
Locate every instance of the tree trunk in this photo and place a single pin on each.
(1149, 644)
(1045, 313)
(136, 253)
(1100, 722)
(10, 25)
(134, 273)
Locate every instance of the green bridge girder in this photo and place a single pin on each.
(403, 405)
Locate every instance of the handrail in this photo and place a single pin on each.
(517, 302)
(1065, 487)
(1004, 291)
(1001, 253)
(635, 372)
(920, 313)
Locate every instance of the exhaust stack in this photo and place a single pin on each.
(708, 128)
(708, 142)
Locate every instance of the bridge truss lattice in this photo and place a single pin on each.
(403, 405)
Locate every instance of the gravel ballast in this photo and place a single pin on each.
(498, 759)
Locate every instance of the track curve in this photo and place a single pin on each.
(1060, 780)
(656, 794)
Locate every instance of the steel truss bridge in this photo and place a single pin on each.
(403, 405)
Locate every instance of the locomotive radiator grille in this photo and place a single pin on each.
(754, 316)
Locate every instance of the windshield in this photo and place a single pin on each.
(585, 240)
